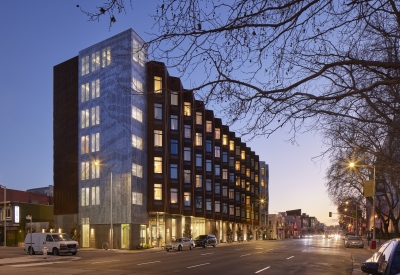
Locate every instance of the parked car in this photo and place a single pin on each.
(353, 241)
(386, 261)
(180, 244)
(55, 243)
(206, 240)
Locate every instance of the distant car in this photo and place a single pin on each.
(206, 240)
(180, 244)
(353, 241)
(386, 261)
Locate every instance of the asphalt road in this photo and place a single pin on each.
(298, 256)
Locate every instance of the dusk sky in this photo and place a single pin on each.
(38, 35)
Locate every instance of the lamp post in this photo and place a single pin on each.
(111, 203)
(260, 201)
(4, 216)
(351, 165)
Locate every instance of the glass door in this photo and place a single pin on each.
(125, 236)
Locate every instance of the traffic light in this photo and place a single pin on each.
(330, 214)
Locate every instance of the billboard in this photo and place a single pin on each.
(296, 212)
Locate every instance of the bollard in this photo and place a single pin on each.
(44, 252)
(373, 244)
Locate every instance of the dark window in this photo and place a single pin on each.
(208, 146)
(174, 147)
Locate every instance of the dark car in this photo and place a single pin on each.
(206, 240)
(386, 261)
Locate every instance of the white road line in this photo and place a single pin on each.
(197, 265)
(206, 254)
(105, 262)
(303, 250)
(150, 262)
(290, 257)
(37, 264)
(259, 248)
(245, 255)
(262, 269)
(239, 249)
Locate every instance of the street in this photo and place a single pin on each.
(298, 256)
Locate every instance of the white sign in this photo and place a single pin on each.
(16, 214)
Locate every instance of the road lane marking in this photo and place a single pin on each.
(239, 249)
(304, 250)
(207, 253)
(37, 264)
(105, 262)
(197, 265)
(150, 262)
(289, 257)
(245, 255)
(262, 269)
(259, 248)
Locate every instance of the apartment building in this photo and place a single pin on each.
(142, 158)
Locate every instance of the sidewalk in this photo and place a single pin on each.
(35, 259)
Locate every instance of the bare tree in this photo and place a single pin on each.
(278, 62)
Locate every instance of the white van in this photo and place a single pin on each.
(56, 243)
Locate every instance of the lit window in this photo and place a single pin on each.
(95, 61)
(158, 165)
(173, 171)
(157, 138)
(237, 181)
(84, 196)
(95, 170)
(174, 195)
(243, 183)
(186, 154)
(157, 111)
(186, 198)
(186, 176)
(247, 186)
(217, 151)
(106, 57)
(187, 131)
(85, 92)
(217, 188)
(243, 154)
(137, 85)
(85, 170)
(199, 181)
(174, 147)
(262, 182)
(217, 133)
(262, 171)
(208, 146)
(174, 122)
(208, 126)
(237, 165)
(137, 142)
(137, 170)
(231, 210)
(137, 114)
(224, 191)
(256, 178)
(96, 195)
(217, 206)
(95, 115)
(85, 118)
(224, 140)
(138, 54)
(247, 172)
(217, 170)
(231, 194)
(248, 200)
(231, 145)
(199, 139)
(237, 150)
(247, 214)
(186, 108)
(199, 160)
(208, 165)
(85, 65)
(199, 202)
(95, 88)
(208, 204)
(199, 118)
(157, 84)
(157, 192)
(208, 185)
(137, 198)
(95, 142)
(174, 98)
(224, 174)
(84, 144)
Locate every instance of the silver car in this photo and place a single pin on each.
(180, 244)
(352, 241)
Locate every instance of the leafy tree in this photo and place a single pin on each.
(278, 62)
(239, 233)
(187, 231)
(75, 232)
(229, 234)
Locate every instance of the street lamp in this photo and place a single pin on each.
(4, 216)
(111, 202)
(352, 165)
(260, 201)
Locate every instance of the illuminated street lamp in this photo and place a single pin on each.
(353, 165)
(97, 163)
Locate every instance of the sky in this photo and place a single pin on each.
(38, 35)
